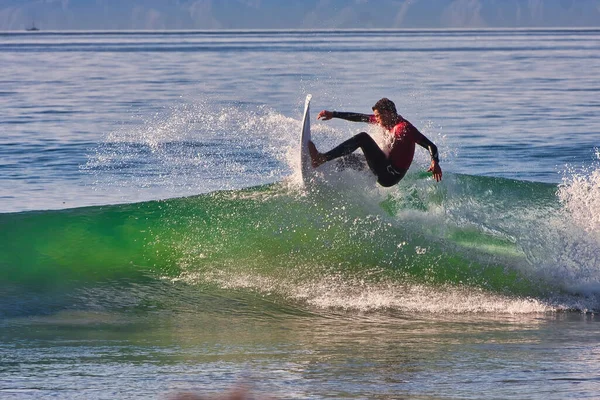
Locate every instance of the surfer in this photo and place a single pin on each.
(389, 165)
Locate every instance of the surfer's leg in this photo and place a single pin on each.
(376, 158)
(345, 149)
(391, 176)
(363, 141)
(353, 161)
(315, 157)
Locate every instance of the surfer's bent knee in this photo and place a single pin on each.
(362, 135)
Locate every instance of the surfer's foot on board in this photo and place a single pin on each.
(315, 157)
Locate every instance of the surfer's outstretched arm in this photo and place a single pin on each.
(326, 115)
(427, 144)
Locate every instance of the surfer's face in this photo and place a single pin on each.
(385, 118)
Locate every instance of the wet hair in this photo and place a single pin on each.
(385, 104)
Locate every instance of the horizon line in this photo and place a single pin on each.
(233, 30)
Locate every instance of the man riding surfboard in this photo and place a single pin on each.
(388, 165)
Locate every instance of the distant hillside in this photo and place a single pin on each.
(295, 14)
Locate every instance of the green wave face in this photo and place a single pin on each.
(277, 238)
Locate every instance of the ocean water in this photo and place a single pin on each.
(156, 239)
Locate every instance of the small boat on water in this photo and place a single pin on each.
(32, 28)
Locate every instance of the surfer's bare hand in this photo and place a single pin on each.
(325, 115)
(436, 170)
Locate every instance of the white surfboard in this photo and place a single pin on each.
(306, 168)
